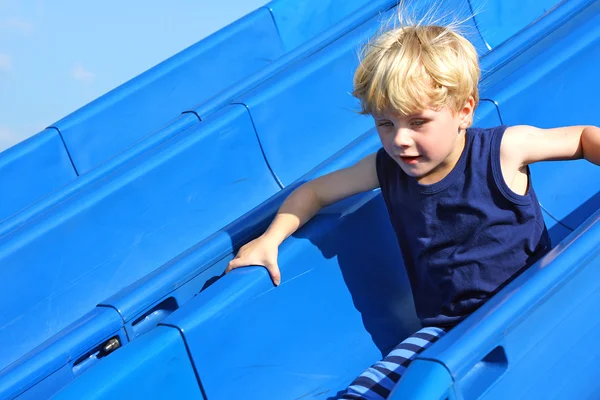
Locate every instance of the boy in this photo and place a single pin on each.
(459, 198)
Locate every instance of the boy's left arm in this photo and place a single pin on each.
(524, 145)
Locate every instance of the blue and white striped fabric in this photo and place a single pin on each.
(377, 382)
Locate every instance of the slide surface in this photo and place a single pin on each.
(127, 244)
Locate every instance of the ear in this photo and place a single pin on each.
(466, 113)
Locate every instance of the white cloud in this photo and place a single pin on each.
(81, 74)
(16, 24)
(5, 62)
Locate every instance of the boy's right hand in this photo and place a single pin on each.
(300, 206)
(260, 251)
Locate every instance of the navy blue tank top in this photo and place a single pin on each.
(465, 237)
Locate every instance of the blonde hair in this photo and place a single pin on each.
(415, 67)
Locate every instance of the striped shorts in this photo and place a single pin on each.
(378, 381)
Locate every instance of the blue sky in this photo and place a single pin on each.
(56, 56)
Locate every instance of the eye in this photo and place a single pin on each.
(418, 122)
(384, 123)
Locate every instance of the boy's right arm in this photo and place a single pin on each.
(300, 206)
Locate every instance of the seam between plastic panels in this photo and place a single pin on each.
(438, 362)
(433, 360)
(495, 103)
(270, 10)
(559, 222)
(281, 186)
(66, 148)
(189, 353)
(487, 45)
(192, 112)
(124, 323)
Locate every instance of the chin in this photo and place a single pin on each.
(414, 172)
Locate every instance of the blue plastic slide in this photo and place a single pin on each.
(111, 269)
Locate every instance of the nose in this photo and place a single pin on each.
(403, 138)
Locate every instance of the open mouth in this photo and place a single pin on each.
(410, 159)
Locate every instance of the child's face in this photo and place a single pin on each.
(427, 144)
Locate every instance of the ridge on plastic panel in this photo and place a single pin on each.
(148, 301)
(128, 224)
(110, 124)
(178, 126)
(33, 169)
(61, 358)
(156, 366)
(502, 349)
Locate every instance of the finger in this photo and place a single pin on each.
(274, 273)
(233, 264)
(241, 262)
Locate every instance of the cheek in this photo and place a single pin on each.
(386, 141)
(435, 144)
(427, 142)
